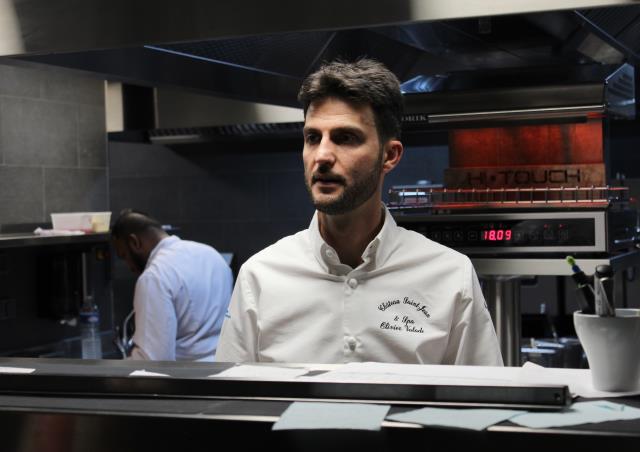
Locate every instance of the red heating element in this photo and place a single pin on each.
(549, 155)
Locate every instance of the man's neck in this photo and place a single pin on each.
(152, 239)
(350, 233)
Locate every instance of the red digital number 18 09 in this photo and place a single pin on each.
(495, 235)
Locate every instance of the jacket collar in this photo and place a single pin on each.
(374, 255)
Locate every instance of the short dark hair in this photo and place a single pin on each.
(362, 82)
(133, 222)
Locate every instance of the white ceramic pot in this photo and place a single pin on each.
(612, 345)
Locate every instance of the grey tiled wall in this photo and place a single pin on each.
(52, 144)
(238, 203)
(21, 194)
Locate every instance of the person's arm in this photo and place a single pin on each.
(155, 319)
(239, 336)
(472, 339)
(138, 354)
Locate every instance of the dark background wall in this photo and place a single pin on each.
(53, 158)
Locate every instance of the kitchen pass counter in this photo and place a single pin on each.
(95, 405)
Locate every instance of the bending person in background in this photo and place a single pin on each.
(355, 286)
(181, 294)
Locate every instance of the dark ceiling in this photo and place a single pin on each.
(435, 55)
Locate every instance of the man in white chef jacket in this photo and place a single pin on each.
(354, 286)
(181, 294)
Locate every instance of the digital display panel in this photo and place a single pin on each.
(507, 233)
(497, 235)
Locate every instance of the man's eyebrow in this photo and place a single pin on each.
(342, 129)
(350, 129)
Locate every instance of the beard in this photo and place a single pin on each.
(352, 196)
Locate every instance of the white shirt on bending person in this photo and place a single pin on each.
(180, 300)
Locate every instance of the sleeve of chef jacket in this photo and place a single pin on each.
(239, 337)
(472, 339)
(155, 318)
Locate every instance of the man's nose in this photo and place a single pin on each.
(325, 153)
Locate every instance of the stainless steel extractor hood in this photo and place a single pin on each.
(468, 99)
(591, 93)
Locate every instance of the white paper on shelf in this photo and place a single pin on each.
(145, 373)
(56, 232)
(262, 372)
(16, 370)
(471, 419)
(578, 380)
(420, 374)
(579, 413)
(323, 415)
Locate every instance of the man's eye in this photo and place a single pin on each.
(312, 138)
(346, 138)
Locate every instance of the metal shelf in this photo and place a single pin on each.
(19, 240)
(514, 266)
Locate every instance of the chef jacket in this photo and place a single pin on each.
(411, 300)
(180, 300)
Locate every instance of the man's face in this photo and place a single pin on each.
(129, 250)
(342, 155)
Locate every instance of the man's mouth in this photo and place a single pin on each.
(327, 180)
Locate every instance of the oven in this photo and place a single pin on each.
(515, 222)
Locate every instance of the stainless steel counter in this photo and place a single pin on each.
(107, 422)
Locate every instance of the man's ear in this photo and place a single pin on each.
(392, 155)
(134, 242)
